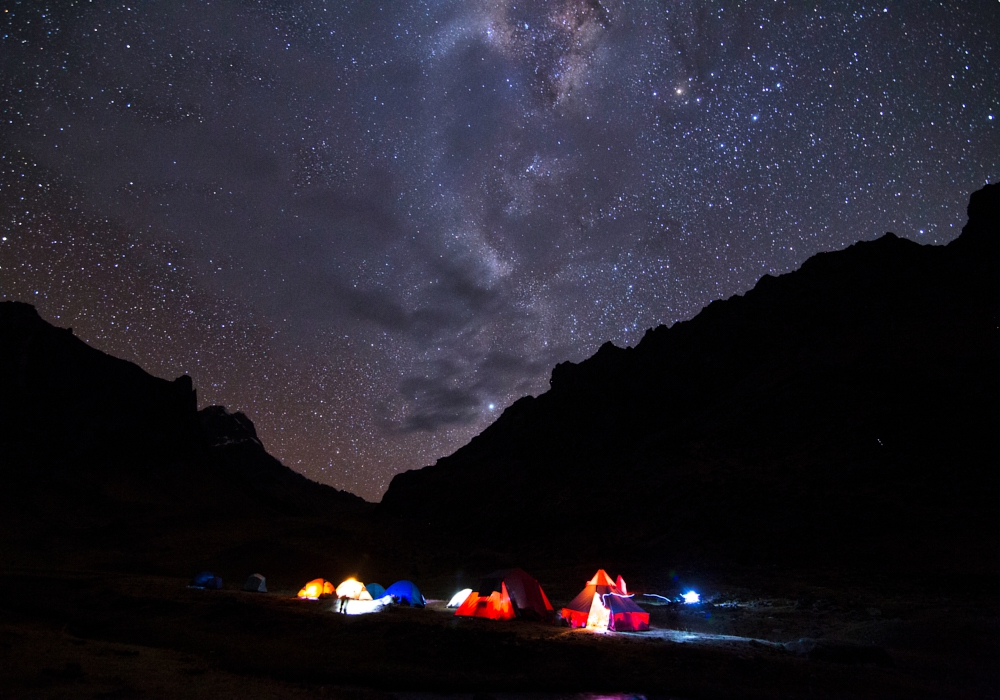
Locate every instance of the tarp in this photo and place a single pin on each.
(206, 580)
(506, 594)
(407, 593)
(255, 584)
(315, 589)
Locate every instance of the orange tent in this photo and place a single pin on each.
(317, 588)
(506, 594)
(603, 604)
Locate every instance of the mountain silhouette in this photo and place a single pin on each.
(844, 413)
(97, 451)
(840, 415)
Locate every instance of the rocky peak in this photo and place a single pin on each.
(221, 427)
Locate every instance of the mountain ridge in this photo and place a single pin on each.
(829, 383)
(74, 417)
(815, 415)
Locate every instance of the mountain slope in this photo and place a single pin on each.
(98, 452)
(844, 410)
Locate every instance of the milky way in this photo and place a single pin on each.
(372, 228)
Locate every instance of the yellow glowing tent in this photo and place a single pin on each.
(353, 589)
(317, 588)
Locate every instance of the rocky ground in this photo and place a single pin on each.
(66, 634)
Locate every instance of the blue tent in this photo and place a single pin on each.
(375, 589)
(206, 579)
(406, 592)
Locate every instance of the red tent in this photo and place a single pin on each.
(507, 594)
(603, 604)
(626, 615)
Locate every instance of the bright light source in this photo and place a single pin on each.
(349, 606)
(352, 588)
(599, 618)
(315, 589)
(459, 598)
(691, 597)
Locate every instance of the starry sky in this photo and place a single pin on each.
(372, 227)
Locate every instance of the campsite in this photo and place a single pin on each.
(499, 350)
(119, 620)
(829, 533)
(76, 635)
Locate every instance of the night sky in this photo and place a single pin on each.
(371, 228)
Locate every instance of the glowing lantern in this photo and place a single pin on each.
(690, 598)
(315, 589)
(459, 598)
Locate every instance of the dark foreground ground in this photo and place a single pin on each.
(82, 634)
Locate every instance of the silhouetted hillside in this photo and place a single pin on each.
(845, 412)
(90, 442)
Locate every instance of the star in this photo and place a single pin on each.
(360, 224)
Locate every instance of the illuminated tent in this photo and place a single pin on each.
(506, 594)
(206, 580)
(375, 590)
(315, 589)
(577, 612)
(353, 589)
(406, 592)
(603, 604)
(255, 584)
(459, 598)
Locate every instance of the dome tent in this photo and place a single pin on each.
(353, 589)
(407, 593)
(604, 605)
(506, 594)
(255, 584)
(206, 580)
(459, 598)
(355, 598)
(375, 590)
(315, 589)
